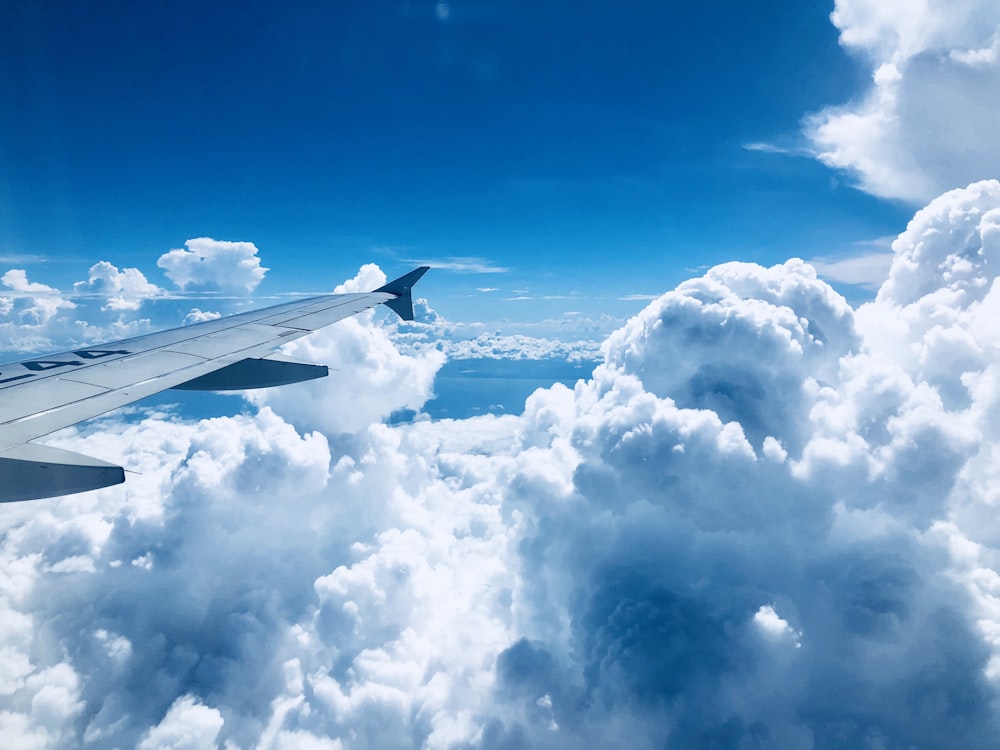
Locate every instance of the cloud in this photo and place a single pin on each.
(23, 258)
(688, 344)
(188, 725)
(373, 379)
(17, 280)
(926, 124)
(659, 587)
(429, 331)
(27, 314)
(214, 265)
(34, 317)
(520, 347)
(771, 148)
(463, 265)
(766, 519)
(773, 626)
(868, 270)
(200, 316)
(638, 297)
(124, 289)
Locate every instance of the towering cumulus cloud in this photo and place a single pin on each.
(766, 520)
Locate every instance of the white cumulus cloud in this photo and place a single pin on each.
(124, 289)
(370, 377)
(30, 311)
(214, 265)
(927, 122)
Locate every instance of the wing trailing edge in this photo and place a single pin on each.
(265, 372)
(32, 471)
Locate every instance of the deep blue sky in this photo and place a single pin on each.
(594, 149)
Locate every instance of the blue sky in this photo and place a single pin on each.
(590, 150)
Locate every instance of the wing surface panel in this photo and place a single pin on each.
(138, 368)
(45, 395)
(321, 316)
(225, 342)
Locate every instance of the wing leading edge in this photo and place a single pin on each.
(40, 396)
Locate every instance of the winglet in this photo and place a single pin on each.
(402, 305)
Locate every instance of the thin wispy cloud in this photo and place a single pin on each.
(772, 148)
(866, 269)
(461, 264)
(521, 297)
(23, 258)
(866, 264)
(21, 294)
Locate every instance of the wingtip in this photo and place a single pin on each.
(404, 283)
(402, 305)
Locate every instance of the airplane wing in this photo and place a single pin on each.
(40, 396)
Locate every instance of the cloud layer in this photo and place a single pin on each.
(767, 520)
(927, 122)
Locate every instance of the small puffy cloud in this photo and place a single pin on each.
(35, 317)
(926, 124)
(424, 313)
(124, 289)
(773, 626)
(17, 280)
(200, 316)
(30, 309)
(368, 277)
(214, 265)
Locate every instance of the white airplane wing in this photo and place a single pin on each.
(40, 396)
